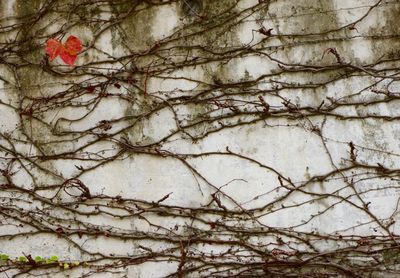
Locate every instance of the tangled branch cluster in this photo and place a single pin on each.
(231, 138)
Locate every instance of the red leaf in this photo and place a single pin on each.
(73, 45)
(91, 89)
(53, 48)
(68, 52)
(67, 57)
(265, 32)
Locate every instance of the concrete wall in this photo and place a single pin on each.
(188, 141)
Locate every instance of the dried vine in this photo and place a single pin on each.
(230, 138)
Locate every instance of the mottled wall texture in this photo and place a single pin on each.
(200, 138)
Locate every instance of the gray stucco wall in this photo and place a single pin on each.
(200, 139)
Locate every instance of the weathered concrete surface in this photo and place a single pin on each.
(302, 32)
